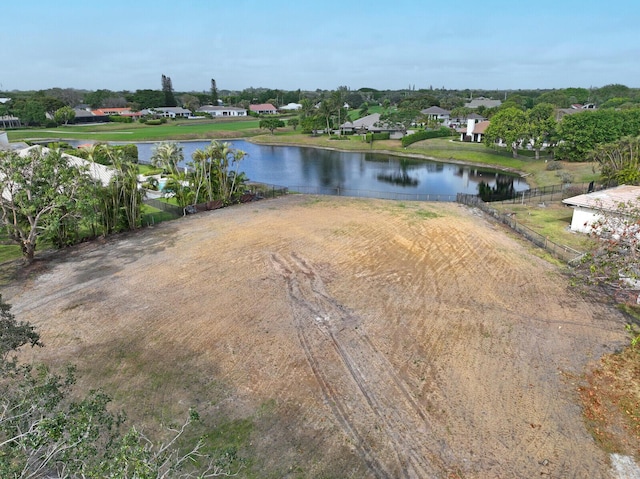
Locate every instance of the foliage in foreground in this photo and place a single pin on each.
(47, 431)
(614, 260)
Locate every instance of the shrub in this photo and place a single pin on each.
(564, 176)
(153, 122)
(369, 137)
(554, 165)
(426, 135)
(120, 119)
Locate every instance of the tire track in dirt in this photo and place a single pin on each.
(390, 430)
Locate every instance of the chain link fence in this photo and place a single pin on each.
(562, 252)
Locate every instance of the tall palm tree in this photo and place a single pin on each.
(167, 155)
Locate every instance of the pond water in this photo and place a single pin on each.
(313, 170)
(316, 170)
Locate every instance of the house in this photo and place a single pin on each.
(168, 112)
(222, 110)
(482, 101)
(264, 109)
(371, 124)
(291, 107)
(437, 113)
(85, 116)
(474, 132)
(361, 125)
(9, 121)
(457, 121)
(125, 111)
(589, 208)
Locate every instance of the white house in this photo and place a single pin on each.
(590, 207)
(437, 113)
(222, 110)
(169, 111)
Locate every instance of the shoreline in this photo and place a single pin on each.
(418, 156)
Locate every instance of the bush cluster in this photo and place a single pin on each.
(554, 165)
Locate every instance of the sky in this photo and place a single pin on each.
(324, 44)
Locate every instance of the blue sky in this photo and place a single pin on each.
(488, 44)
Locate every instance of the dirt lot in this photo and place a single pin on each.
(362, 338)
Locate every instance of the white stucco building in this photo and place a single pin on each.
(590, 207)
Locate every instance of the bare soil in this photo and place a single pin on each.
(362, 338)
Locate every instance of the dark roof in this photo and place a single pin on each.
(435, 110)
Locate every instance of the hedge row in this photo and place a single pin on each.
(377, 136)
(426, 135)
(120, 119)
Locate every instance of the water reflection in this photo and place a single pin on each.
(401, 178)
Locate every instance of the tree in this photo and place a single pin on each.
(14, 334)
(167, 90)
(147, 98)
(326, 112)
(48, 428)
(271, 124)
(30, 112)
(619, 161)
(38, 187)
(293, 123)
(404, 117)
(64, 115)
(581, 133)
(214, 93)
(190, 102)
(167, 155)
(613, 261)
(97, 98)
(216, 172)
(541, 126)
(508, 125)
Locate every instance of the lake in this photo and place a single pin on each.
(313, 170)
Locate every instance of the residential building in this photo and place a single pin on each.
(264, 109)
(222, 110)
(474, 132)
(589, 208)
(482, 101)
(168, 112)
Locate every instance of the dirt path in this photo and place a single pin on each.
(363, 338)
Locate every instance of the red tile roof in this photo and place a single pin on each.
(263, 107)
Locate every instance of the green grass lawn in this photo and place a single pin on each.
(549, 219)
(148, 170)
(175, 130)
(152, 216)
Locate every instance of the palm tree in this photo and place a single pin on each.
(167, 155)
(216, 172)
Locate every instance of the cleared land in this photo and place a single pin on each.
(359, 338)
